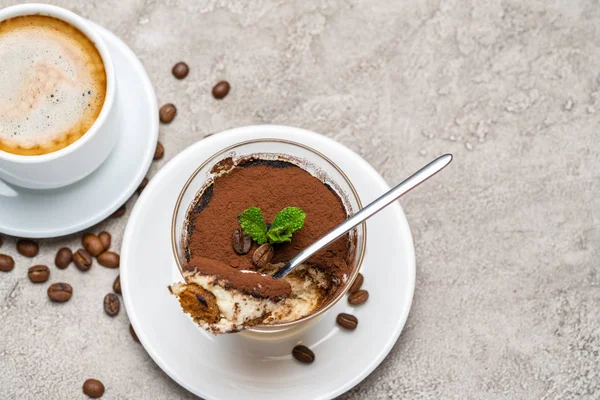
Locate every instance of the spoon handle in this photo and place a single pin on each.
(367, 212)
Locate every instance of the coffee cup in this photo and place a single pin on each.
(55, 106)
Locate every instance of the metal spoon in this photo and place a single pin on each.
(367, 212)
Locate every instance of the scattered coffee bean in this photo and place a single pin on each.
(133, 335)
(142, 186)
(27, 248)
(220, 90)
(167, 113)
(359, 297)
(347, 321)
(356, 284)
(106, 239)
(109, 259)
(82, 260)
(112, 304)
(93, 388)
(6, 263)
(159, 152)
(263, 255)
(241, 241)
(120, 212)
(60, 292)
(117, 285)
(92, 244)
(303, 354)
(38, 273)
(180, 70)
(63, 258)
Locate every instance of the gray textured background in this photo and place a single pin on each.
(507, 297)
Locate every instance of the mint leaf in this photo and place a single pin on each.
(286, 222)
(253, 223)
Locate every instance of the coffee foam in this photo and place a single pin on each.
(52, 85)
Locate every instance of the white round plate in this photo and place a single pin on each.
(239, 366)
(58, 212)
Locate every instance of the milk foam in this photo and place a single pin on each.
(52, 85)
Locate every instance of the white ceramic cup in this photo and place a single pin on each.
(82, 157)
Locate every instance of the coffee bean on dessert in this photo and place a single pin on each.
(60, 292)
(133, 335)
(92, 244)
(111, 304)
(359, 297)
(106, 239)
(142, 186)
(263, 255)
(356, 284)
(241, 241)
(63, 258)
(347, 321)
(109, 259)
(120, 212)
(82, 260)
(167, 113)
(38, 273)
(27, 248)
(180, 70)
(303, 354)
(159, 152)
(6, 263)
(220, 90)
(93, 388)
(117, 285)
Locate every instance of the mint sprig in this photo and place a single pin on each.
(286, 222)
(253, 223)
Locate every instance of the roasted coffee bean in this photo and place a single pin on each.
(167, 113)
(120, 212)
(6, 263)
(109, 259)
(92, 244)
(263, 255)
(112, 304)
(82, 260)
(180, 70)
(159, 152)
(63, 258)
(142, 186)
(60, 292)
(106, 239)
(133, 335)
(220, 90)
(93, 388)
(241, 241)
(27, 248)
(303, 354)
(117, 285)
(359, 297)
(38, 273)
(347, 321)
(356, 284)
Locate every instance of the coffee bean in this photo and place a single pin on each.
(38, 273)
(133, 335)
(303, 354)
(241, 241)
(111, 304)
(93, 388)
(60, 292)
(359, 297)
(180, 70)
(120, 212)
(1, 241)
(82, 260)
(63, 258)
(167, 113)
(356, 284)
(106, 239)
(117, 285)
(159, 152)
(109, 259)
(220, 90)
(142, 186)
(263, 255)
(92, 244)
(6, 263)
(347, 321)
(27, 248)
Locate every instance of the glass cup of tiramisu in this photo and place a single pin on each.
(242, 214)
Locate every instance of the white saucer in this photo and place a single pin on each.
(240, 366)
(57, 212)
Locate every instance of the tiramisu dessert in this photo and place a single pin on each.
(253, 216)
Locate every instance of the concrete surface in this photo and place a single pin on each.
(507, 296)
